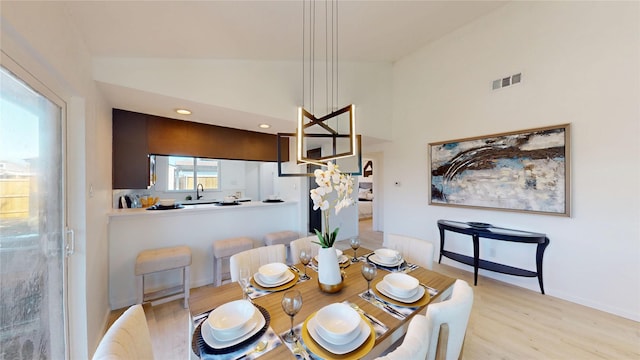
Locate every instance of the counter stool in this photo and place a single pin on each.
(284, 238)
(156, 260)
(223, 249)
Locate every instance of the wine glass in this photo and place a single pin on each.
(369, 272)
(244, 279)
(305, 257)
(355, 244)
(291, 304)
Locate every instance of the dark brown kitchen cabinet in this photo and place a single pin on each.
(130, 151)
(175, 137)
(136, 136)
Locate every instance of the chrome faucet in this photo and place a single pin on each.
(198, 188)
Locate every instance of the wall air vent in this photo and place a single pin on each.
(507, 81)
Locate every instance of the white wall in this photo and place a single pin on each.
(267, 88)
(580, 65)
(38, 36)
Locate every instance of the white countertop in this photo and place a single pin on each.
(196, 208)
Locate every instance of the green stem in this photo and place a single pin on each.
(326, 234)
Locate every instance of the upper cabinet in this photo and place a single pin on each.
(130, 151)
(136, 136)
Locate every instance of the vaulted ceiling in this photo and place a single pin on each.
(369, 31)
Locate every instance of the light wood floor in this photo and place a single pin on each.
(507, 322)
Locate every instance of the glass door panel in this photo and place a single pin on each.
(32, 320)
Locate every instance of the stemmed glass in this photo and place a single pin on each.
(369, 272)
(355, 244)
(291, 304)
(305, 257)
(244, 279)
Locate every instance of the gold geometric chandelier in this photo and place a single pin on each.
(331, 136)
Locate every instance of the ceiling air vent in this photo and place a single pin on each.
(507, 81)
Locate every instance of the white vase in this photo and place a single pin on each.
(329, 273)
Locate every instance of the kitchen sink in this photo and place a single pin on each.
(199, 202)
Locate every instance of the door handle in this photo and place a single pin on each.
(70, 243)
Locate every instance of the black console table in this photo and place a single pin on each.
(488, 231)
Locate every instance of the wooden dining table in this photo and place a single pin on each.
(314, 299)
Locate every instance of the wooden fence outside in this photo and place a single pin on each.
(14, 198)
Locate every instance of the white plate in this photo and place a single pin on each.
(384, 290)
(341, 260)
(247, 327)
(288, 276)
(375, 259)
(207, 333)
(365, 331)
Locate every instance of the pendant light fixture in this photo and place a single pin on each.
(334, 132)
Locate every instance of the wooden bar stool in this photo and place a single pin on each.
(285, 238)
(223, 249)
(156, 260)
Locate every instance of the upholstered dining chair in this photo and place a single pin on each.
(303, 243)
(414, 345)
(128, 338)
(256, 257)
(440, 333)
(414, 250)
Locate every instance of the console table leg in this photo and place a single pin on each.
(476, 258)
(441, 244)
(539, 255)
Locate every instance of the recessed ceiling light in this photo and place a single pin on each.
(183, 111)
(264, 126)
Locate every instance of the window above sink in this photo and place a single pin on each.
(185, 173)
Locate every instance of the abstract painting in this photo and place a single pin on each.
(526, 170)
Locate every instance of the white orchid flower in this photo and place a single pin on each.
(327, 181)
(322, 206)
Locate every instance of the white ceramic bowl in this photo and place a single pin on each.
(272, 197)
(229, 199)
(338, 323)
(167, 202)
(401, 285)
(387, 255)
(272, 272)
(228, 320)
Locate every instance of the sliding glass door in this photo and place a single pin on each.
(32, 257)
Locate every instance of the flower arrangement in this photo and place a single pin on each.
(329, 180)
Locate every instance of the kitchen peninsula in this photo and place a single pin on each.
(197, 226)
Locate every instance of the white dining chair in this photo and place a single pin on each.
(448, 323)
(414, 344)
(417, 251)
(256, 257)
(304, 243)
(128, 338)
(440, 333)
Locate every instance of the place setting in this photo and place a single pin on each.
(390, 260)
(235, 330)
(401, 290)
(273, 277)
(396, 309)
(337, 331)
